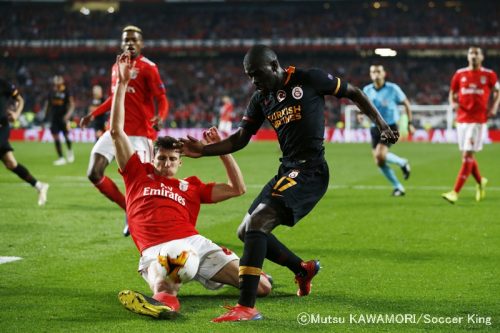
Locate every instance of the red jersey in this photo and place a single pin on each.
(473, 88)
(145, 84)
(226, 112)
(160, 209)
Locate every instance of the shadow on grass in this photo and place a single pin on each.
(399, 256)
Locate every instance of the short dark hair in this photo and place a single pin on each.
(260, 52)
(165, 142)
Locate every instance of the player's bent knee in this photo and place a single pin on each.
(380, 160)
(10, 165)
(95, 176)
(242, 227)
(264, 219)
(264, 287)
(241, 233)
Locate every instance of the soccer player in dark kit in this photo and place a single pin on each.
(11, 106)
(292, 100)
(59, 108)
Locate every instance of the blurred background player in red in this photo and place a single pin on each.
(141, 123)
(226, 116)
(99, 122)
(162, 208)
(469, 96)
(11, 106)
(59, 107)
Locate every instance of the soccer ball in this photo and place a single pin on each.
(178, 261)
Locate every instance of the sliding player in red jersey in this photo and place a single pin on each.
(162, 208)
(470, 92)
(141, 122)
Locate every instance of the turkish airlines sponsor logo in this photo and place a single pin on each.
(164, 191)
(472, 91)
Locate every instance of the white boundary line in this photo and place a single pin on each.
(4, 260)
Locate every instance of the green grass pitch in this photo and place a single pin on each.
(380, 255)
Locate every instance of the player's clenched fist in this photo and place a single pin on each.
(389, 136)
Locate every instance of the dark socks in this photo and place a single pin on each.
(58, 148)
(68, 142)
(24, 174)
(278, 253)
(251, 263)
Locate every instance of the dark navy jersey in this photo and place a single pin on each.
(296, 111)
(58, 103)
(99, 121)
(8, 92)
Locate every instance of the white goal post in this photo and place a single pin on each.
(424, 117)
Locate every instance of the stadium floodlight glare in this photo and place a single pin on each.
(385, 52)
(85, 11)
(111, 10)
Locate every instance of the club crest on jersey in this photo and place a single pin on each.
(281, 95)
(483, 79)
(297, 92)
(463, 79)
(293, 174)
(183, 185)
(134, 73)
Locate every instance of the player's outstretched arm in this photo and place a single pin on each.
(18, 108)
(496, 101)
(101, 109)
(361, 100)
(195, 148)
(235, 185)
(71, 108)
(409, 114)
(123, 147)
(453, 100)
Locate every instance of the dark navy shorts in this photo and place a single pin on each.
(295, 190)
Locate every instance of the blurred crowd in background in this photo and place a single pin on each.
(196, 82)
(259, 19)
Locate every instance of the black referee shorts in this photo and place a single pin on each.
(4, 139)
(375, 133)
(295, 190)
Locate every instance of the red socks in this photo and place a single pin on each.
(111, 191)
(469, 165)
(475, 172)
(169, 300)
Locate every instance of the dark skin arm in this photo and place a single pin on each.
(365, 105)
(194, 148)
